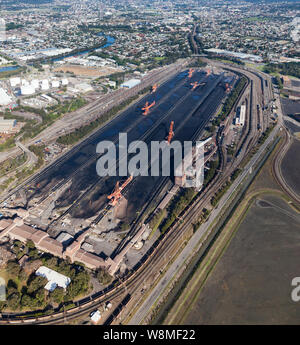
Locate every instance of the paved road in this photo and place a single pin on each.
(194, 243)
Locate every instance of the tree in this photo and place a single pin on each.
(13, 301)
(35, 283)
(13, 268)
(57, 295)
(30, 244)
(103, 276)
(11, 286)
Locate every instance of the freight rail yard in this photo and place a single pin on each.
(71, 212)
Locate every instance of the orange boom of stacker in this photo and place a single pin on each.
(191, 71)
(171, 132)
(208, 72)
(116, 195)
(195, 84)
(227, 87)
(154, 88)
(147, 107)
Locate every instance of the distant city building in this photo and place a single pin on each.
(64, 82)
(55, 83)
(4, 98)
(45, 84)
(15, 81)
(7, 126)
(242, 56)
(27, 90)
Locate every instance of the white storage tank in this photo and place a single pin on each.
(35, 83)
(15, 81)
(64, 82)
(27, 90)
(55, 83)
(25, 82)
(45, 84)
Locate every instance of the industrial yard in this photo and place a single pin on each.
(70, 198)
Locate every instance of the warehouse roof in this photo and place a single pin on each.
(54, 278)
(131, 83)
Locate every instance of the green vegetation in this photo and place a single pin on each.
(285, 68)
(177, 206)
(8, 144)
(103, 277)
(265, 134)
(157, 219)
(25, 290)
(32, 127)
(39, 152)
(13, 26)
(216, 198)
(230, 101)
(12, 164)
(7, 74)
(210, 174)
(203, 217)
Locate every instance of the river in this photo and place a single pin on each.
(109, 41)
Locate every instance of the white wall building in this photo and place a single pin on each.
(54, 278)
(4, 98)
(131, 83)
(240, 116)
(45, 84)
(55, 83)
(27, 90)
(15, 81)
(6, 126)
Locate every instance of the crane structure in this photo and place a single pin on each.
(195, 85)
(116, 195)
(208, 72)
(154, 88)
(191, 71)
(227, 87)
(147, 107)
(171, 133)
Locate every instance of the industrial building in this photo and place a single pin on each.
(17, 230)
(54, 278)
(7, 126)
(27, 90)
(15, 81)
(4, 98)
(131, 83)
(45, 84)
(240, 116)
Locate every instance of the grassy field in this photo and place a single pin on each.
(246, 276)
(250, 283)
